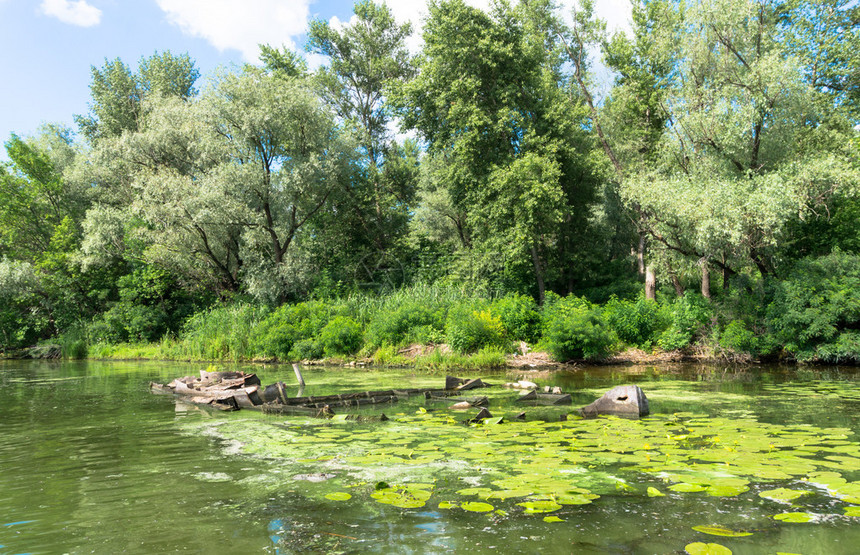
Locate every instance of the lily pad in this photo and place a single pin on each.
(552, 519)
(654, 492)
(720, 531)
(687, 488)
(338, 496)
(852, 511)
(540, 506)
(783, 494)
(476, 507)
(726, 490)
(795, 517)
(700, 548)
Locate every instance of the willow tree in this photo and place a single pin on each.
(746, 146)
(226, 184)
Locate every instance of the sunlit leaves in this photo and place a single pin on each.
(720, 531)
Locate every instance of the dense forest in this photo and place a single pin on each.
(495, 187)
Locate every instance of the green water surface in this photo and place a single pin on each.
(762, 460)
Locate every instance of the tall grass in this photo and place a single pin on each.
(221, 333)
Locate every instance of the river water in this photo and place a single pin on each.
(92, 462)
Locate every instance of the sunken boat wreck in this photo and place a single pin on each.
(240, 390)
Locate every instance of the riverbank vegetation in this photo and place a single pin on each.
(706, 200)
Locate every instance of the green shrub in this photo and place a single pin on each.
(306, 349)
(736, 338)
(282, 329)
(125, 322)
(519, 316)
(688, 318)
(410, 322)
(578, 332)
(469, 330)
(555, 307)
(638, 323)
(815, 313)
(341, 336)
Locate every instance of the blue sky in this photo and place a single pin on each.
(49, 45)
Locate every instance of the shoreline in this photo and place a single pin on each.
(416, 357)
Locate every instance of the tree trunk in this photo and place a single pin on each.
(650, 283)
(640, 254)
(676, 283)
(538, 275)
(706, 279)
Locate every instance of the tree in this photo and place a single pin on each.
(747, 147)
(364, 58)
(117, 93)
(34, 196)
(489, 98)
(225, 185)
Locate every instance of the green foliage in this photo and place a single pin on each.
(471, 328)
(306, 349)
(22, 321)
(282, 330)
(688, 317)
(815, 312)
(519, 316)
(638, 323)
(118, 93)
(486, 358)
(340, 336)
(406, 323)
(222, 332)
(736, 338)
(574, 329)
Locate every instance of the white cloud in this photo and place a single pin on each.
(74, 13)
(244, 24)
(240, 24)
(616, 13)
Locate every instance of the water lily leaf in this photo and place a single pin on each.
(687, 488)
(654, 492)
(476, 507)
(474, 491)
(448, 505)
(852, 511)
(726, 490)
(552, 519)
(576, 498)
(771, 474)
(539, 506)
(794, 517)
(700, 548)
(506, 493)
(338, 496)
(720, 531)
(783, 494)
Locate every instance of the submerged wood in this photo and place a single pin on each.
(535, 398)
(482, 414)
(471, 401)
(471, 384)
(235, 390)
